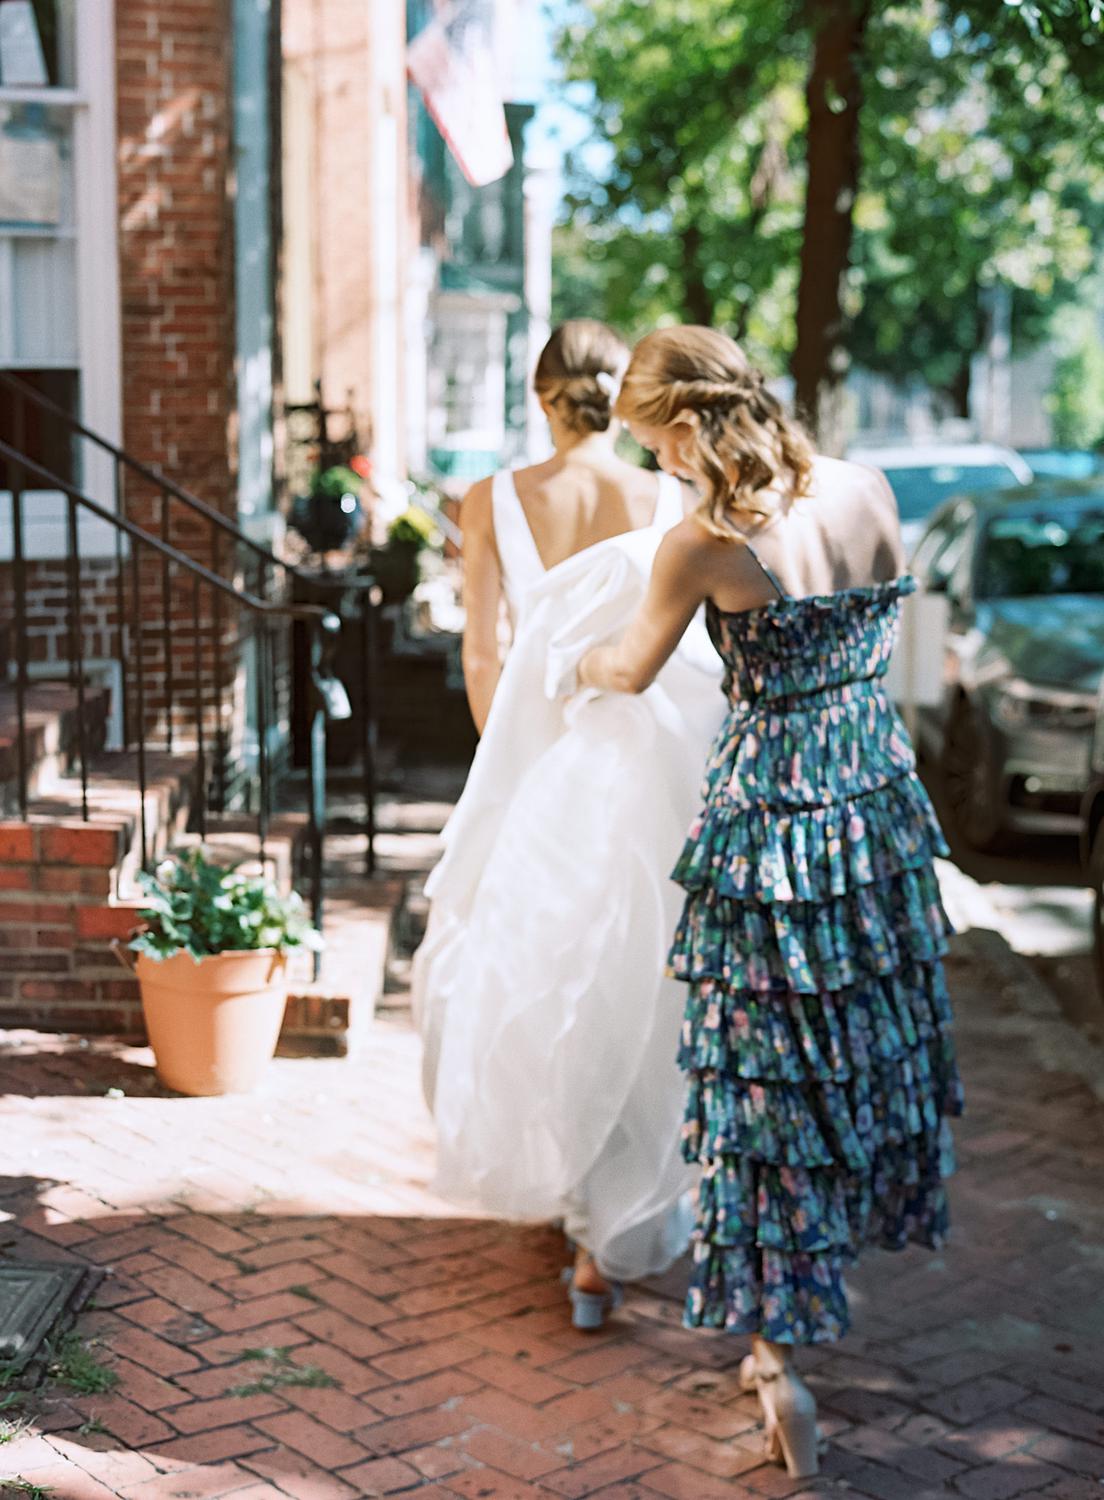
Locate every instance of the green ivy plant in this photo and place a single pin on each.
(200, 908)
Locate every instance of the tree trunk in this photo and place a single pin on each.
(697, 298)
(834, 98)
(959, 389)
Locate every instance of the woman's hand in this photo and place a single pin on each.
(679, 583)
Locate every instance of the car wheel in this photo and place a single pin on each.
(970, 780)
(1096, 877)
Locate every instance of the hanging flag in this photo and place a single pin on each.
(452, 63)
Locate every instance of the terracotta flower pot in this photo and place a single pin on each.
(213, 1025)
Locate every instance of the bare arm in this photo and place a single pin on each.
(679, 583)
(482, 595)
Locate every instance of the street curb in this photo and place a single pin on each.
(1031, 1009)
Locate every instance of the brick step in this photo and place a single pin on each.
(115, 806)
(331, 1016)
(52, 720)
(69, 890)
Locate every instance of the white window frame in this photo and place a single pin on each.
(99, 333)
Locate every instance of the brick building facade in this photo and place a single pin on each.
(176, 252)
(205, 208)
(161, 125)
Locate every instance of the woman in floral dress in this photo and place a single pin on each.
(817, 1036)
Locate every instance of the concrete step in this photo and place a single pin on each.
(116, 808)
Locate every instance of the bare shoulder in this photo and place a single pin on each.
(711, 562)
(686, 545)
(475, 508)
(840, 476)
(867, 504)
(532, 479)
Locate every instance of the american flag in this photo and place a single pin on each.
(452, 63)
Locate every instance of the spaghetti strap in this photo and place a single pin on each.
(767, 572)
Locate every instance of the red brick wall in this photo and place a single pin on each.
(175, 180)
(176, 252)
(176, 239)
(48, 611)
(330, 40)
(57, 970)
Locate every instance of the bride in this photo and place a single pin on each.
(550, 1032)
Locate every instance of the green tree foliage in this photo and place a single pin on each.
(981, 163)
(1076, 397)
(695, 209)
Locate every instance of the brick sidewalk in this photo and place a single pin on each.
(438, 1353)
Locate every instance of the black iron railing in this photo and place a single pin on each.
(191, 624)
(190, 586)
(237, 560)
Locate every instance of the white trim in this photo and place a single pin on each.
(45, 95)
(39, 232)
(266, 528)
(46, 529)
(99, 331)
(95, 186)
(7, 299)
(387, 145)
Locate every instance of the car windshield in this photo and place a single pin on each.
(921, 488)
(1043, 552)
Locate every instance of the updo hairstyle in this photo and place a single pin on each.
(578, 373)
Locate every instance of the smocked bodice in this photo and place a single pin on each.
(796, 648)
(810, 719)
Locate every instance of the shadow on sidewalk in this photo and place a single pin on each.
(290, 1313)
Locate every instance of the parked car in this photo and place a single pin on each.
(924, 475)
(1092, 837)
(1023, 654)
(1063, 463)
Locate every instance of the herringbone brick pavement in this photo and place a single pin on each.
(290, 1313)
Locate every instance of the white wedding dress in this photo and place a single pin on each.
(550, 1030)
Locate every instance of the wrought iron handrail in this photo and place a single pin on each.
(152, 475)
(367, 595)
(316, 618)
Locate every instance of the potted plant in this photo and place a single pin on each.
(331, 515)
(396, 566)
(211, 960)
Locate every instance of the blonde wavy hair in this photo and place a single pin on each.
(748, 453)
(578, 373)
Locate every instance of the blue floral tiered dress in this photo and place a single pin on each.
(817, 1034)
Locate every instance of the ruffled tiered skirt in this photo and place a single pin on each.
(817, 1034)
